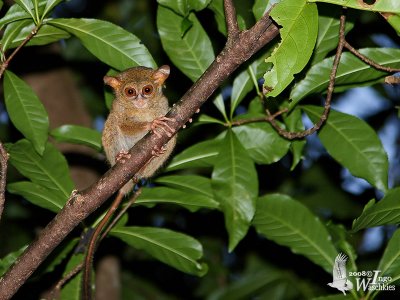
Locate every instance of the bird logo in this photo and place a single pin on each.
(339, 273)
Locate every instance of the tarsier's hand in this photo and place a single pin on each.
(160, 126)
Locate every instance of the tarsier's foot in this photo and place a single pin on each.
(158, 151)
(160, 124)
(122, 155)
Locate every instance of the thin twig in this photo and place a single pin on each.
(87, 271)
(131, 201)
(368, 60)
(55, 292)
(255, 120)
(3, 175)
(5, 64)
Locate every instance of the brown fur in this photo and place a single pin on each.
(131, 117)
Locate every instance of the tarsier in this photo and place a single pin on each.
(139, 107)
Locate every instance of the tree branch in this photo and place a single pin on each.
(81, 205)
(3, 176)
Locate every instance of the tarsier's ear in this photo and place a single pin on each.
(112, 81)
(161, 74)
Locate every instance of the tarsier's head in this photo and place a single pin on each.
(138, 86)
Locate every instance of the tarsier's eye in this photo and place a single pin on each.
(130, 92)
(147, 90)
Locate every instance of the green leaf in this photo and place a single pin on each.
(379, 6)
(37, 194)
(340, 237)
(244, 14)
(36, 9)
(354, 144)
(294, 123)
(249, 286)
(242, 85)
(328, 31)
(78, 135)
(108, 42)
(192, 53)
(262, 143)
(50, 170)
(26, 111)
(27, 6)
(50, 4)
(245, 82)
(9, 259)
(351, 72)
(299, 21)
(185, 26)
(195, 184)
(393, 20)
(183, 7)
(256, 107)
(21, 29)
(260, 7)
(389, 264)
(219, 103)
(59, 255)
(72, 289)
(205, 119)
(217, 7)
(202, 154)
(12, 31)
(235, 186)
(14, 13)
(164, 195)
(386, 211)
(288, 223)
(316, 190)
(175, 249)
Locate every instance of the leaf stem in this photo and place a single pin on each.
(5, 64)
(87, 270)
(254, 79)
(37, 19)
